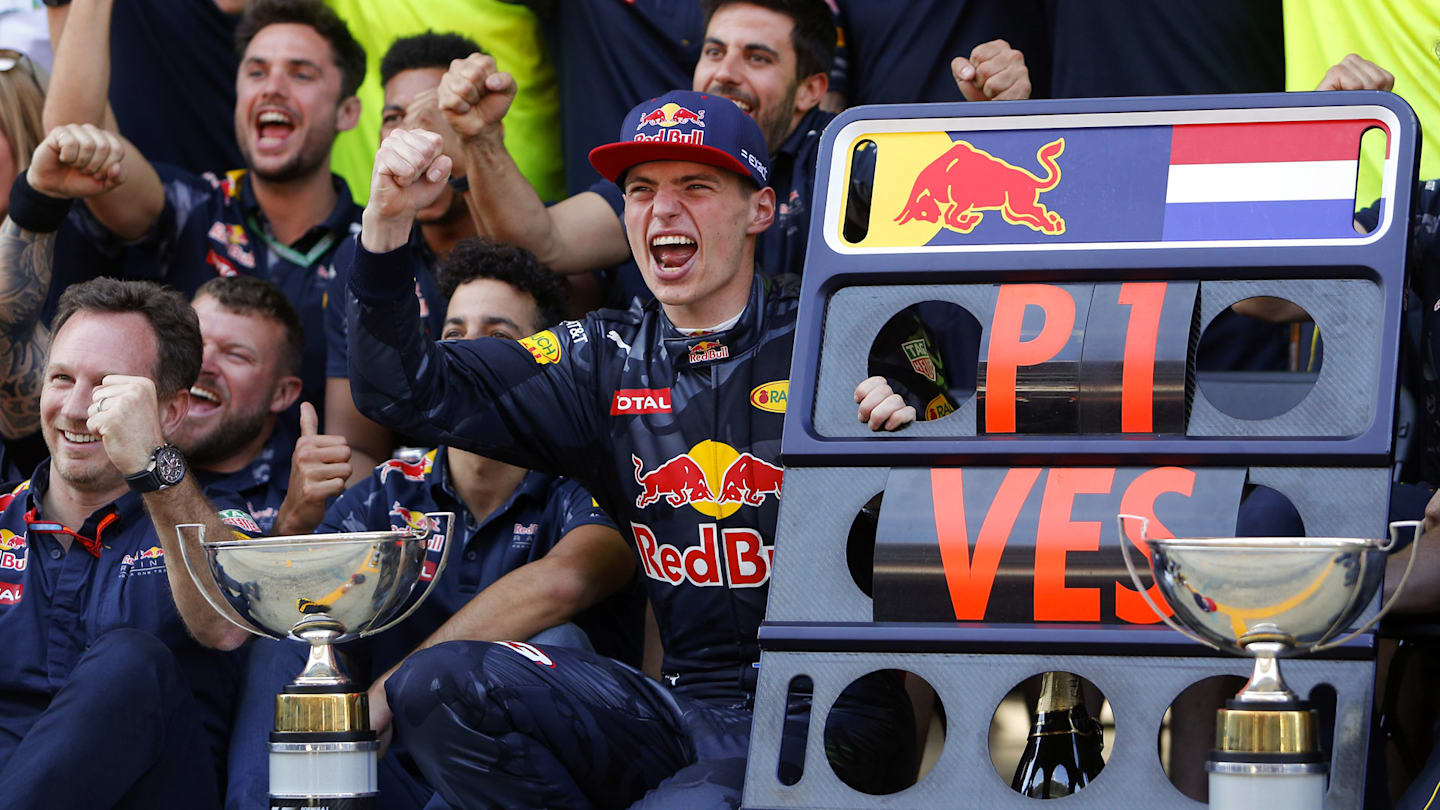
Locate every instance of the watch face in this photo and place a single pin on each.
(169, 465)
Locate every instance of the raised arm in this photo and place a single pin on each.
(59, 171)
(78, 94)
(576, 235)
(127, 415)
(26, 259)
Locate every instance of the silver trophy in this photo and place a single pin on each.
(323, 589)
(1268, 598)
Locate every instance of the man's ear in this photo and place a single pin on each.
(287, 390)
(348, 114)
(811, 91)
(173, 411)
(762, 210)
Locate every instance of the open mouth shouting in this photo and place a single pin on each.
(204, 400)
(672, 255)
(273, 128)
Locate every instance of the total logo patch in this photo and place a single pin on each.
(640, 400)
(543, 346)
(771, 396)
(10, 592)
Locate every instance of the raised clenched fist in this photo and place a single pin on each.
(475, 95)
(993, 71)
(77, 160)
(410, 172)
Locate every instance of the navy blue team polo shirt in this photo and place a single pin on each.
(427, 292)
(213, 226)
(780, 248)
(54, 604)
(541, 510)
(259, 486)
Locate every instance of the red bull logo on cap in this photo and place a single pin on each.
(666, 118)
(956, 188)
(713, 478)
(671, 114)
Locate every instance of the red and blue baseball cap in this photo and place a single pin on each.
(685, 125)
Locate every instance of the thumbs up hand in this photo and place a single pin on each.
(318, 471)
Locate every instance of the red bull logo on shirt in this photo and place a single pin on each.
(12, 551)
(713, 478)
(956, 188)
(733, 558)
(147, 561)
(707, 350)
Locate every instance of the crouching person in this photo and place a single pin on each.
(107, 696)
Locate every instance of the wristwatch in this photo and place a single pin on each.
(167, 467)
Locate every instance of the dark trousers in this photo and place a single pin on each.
(491, 725)
(521, 726)
(272, 665)
(123, 732)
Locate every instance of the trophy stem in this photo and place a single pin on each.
(321, 669)
(1266, 685)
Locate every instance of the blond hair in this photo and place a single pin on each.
(22, 102)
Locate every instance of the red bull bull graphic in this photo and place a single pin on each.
(412, 471)
(968, 181)
(731, 558)
(12, 551)
(713, 478)
(708, 350)
(665, 118)
(152, 553)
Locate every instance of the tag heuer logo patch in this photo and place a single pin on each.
(919, 356)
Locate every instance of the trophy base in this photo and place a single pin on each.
(322, 752)
(1267, 754)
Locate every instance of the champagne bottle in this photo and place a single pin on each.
(1062, 754)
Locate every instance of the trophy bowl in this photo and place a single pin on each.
(1297, 592)
(358, 579)
(322, 589)
(1306, 589)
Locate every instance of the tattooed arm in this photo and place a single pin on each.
(26, 259)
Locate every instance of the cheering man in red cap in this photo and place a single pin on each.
(651, 410)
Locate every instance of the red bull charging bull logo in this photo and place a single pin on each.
(713, 478)
(667, 116)
(956, 188)
(12, 551)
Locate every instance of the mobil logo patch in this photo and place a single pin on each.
(640, 400)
